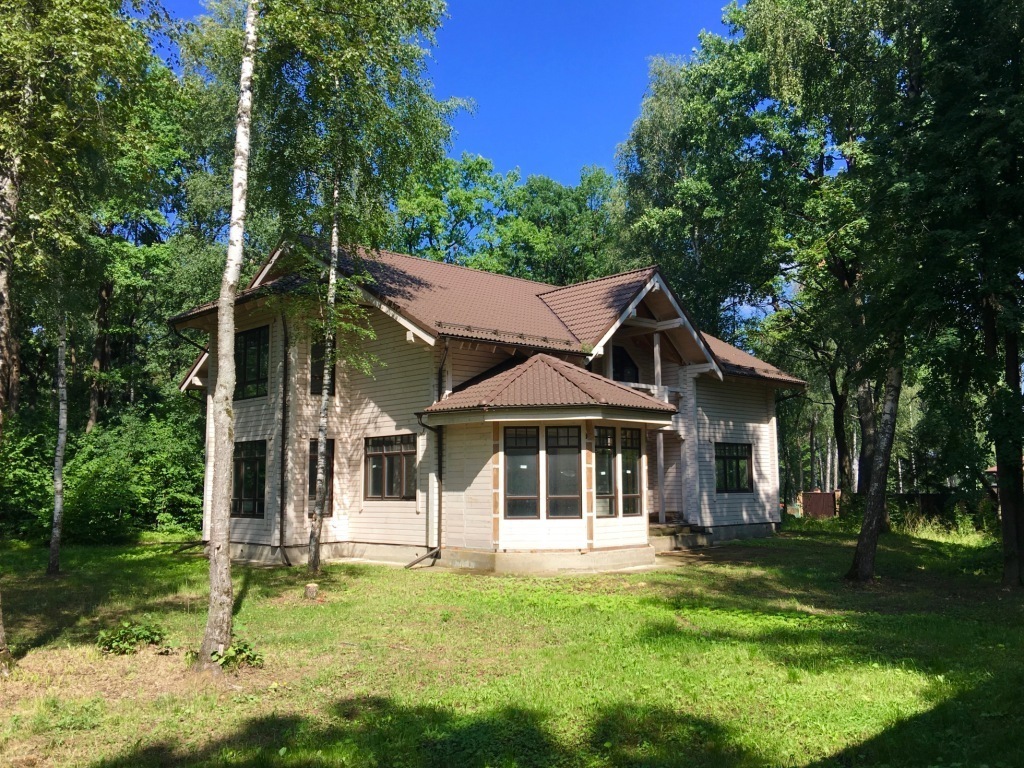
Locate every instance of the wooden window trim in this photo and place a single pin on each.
(260, 383)
(329, 472)
(259, 499)
(639, 495)
(613, 496)
(726, 454)
(549, 497)
(406, 456)
(508, 497)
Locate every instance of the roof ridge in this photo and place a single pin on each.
(457, 266)
(557, 288)
(584, 387)
(518, 372)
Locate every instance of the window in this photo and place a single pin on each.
(316, 370)
(604, 461)
(248, 491)
(522, 472)
(328, 476)
(631, 505)
(563, 469)
(390, 467)
(252, 357)
(623, 367)
(734, 471)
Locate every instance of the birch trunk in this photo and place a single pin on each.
(53, 567)
(6, 659)
(316, 525)
(8, 211)
(863, 568)
(218, 622)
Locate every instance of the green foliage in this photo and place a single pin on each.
(129, 637)
(26, 482)
(238, 655)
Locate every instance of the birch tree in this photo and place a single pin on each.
(6, 658)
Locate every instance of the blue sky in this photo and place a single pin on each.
(556, 84)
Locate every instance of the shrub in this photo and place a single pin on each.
(239, 654)
(129, 637)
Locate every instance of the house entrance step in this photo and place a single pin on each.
(668, 541)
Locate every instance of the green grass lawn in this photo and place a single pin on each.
(745, 655)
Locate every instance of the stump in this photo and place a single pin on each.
(312, 590)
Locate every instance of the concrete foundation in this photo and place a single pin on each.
(723, 533)
(298, 554)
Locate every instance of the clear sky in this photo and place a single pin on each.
(556, 83)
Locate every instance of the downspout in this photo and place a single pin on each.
(439, 431)
(284, 432)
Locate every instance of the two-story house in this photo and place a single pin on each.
(510, 425)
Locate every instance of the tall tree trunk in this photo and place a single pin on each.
(53, 567)
(863, 568)
(1007, 436)
(6, 659)
(867, 419)
(840, 404)
(316, 526)
(814, 453)
(218, 621)
(100, 354)
(8, 351)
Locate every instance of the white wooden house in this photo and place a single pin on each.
(511, 425)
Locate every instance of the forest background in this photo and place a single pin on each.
(835, 186)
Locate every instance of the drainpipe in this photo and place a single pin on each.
(284, 432)
(439, 431)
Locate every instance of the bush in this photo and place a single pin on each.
(129, 637)
(26, 483)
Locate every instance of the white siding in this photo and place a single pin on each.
(467, 515)
(737, 412)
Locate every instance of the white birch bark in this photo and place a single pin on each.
(8, 211)
(53, 567)
(218, 622)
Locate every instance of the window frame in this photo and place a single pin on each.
(238, 463)
(407, 454)
(505, 448)
(613, 495)
(329, 479)
(727, 459)
(262, 381)
(548, 495)
(316, 382)
(633, 432)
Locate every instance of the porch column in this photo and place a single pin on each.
(660, 437)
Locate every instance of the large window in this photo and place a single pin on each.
(249, 489)
(316, 370)
(734, 471)
(563, 469)
(604, 461)
(522, 472)
(623, 366)
(631, 501)
(328, 476)
(390, 467)
(252, 358)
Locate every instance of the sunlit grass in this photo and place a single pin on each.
(747, 655)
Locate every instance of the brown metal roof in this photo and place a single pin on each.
(545, 381)
(735, 362)
(591, 308)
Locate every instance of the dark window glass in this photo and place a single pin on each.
(248, 489)
(563, 469)
(328, 476)
(734, 472)
(522, 472)
(391, 467)
(604, 466)
(623, 367)
(631, 472)
(316, 370)
(252, 361)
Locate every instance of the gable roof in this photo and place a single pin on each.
(589, 309)
(544, 381)
(736, 362)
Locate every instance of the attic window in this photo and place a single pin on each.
(252, 361)
(623, 367)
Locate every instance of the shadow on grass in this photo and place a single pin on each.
(99, 586)
(379, 732)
